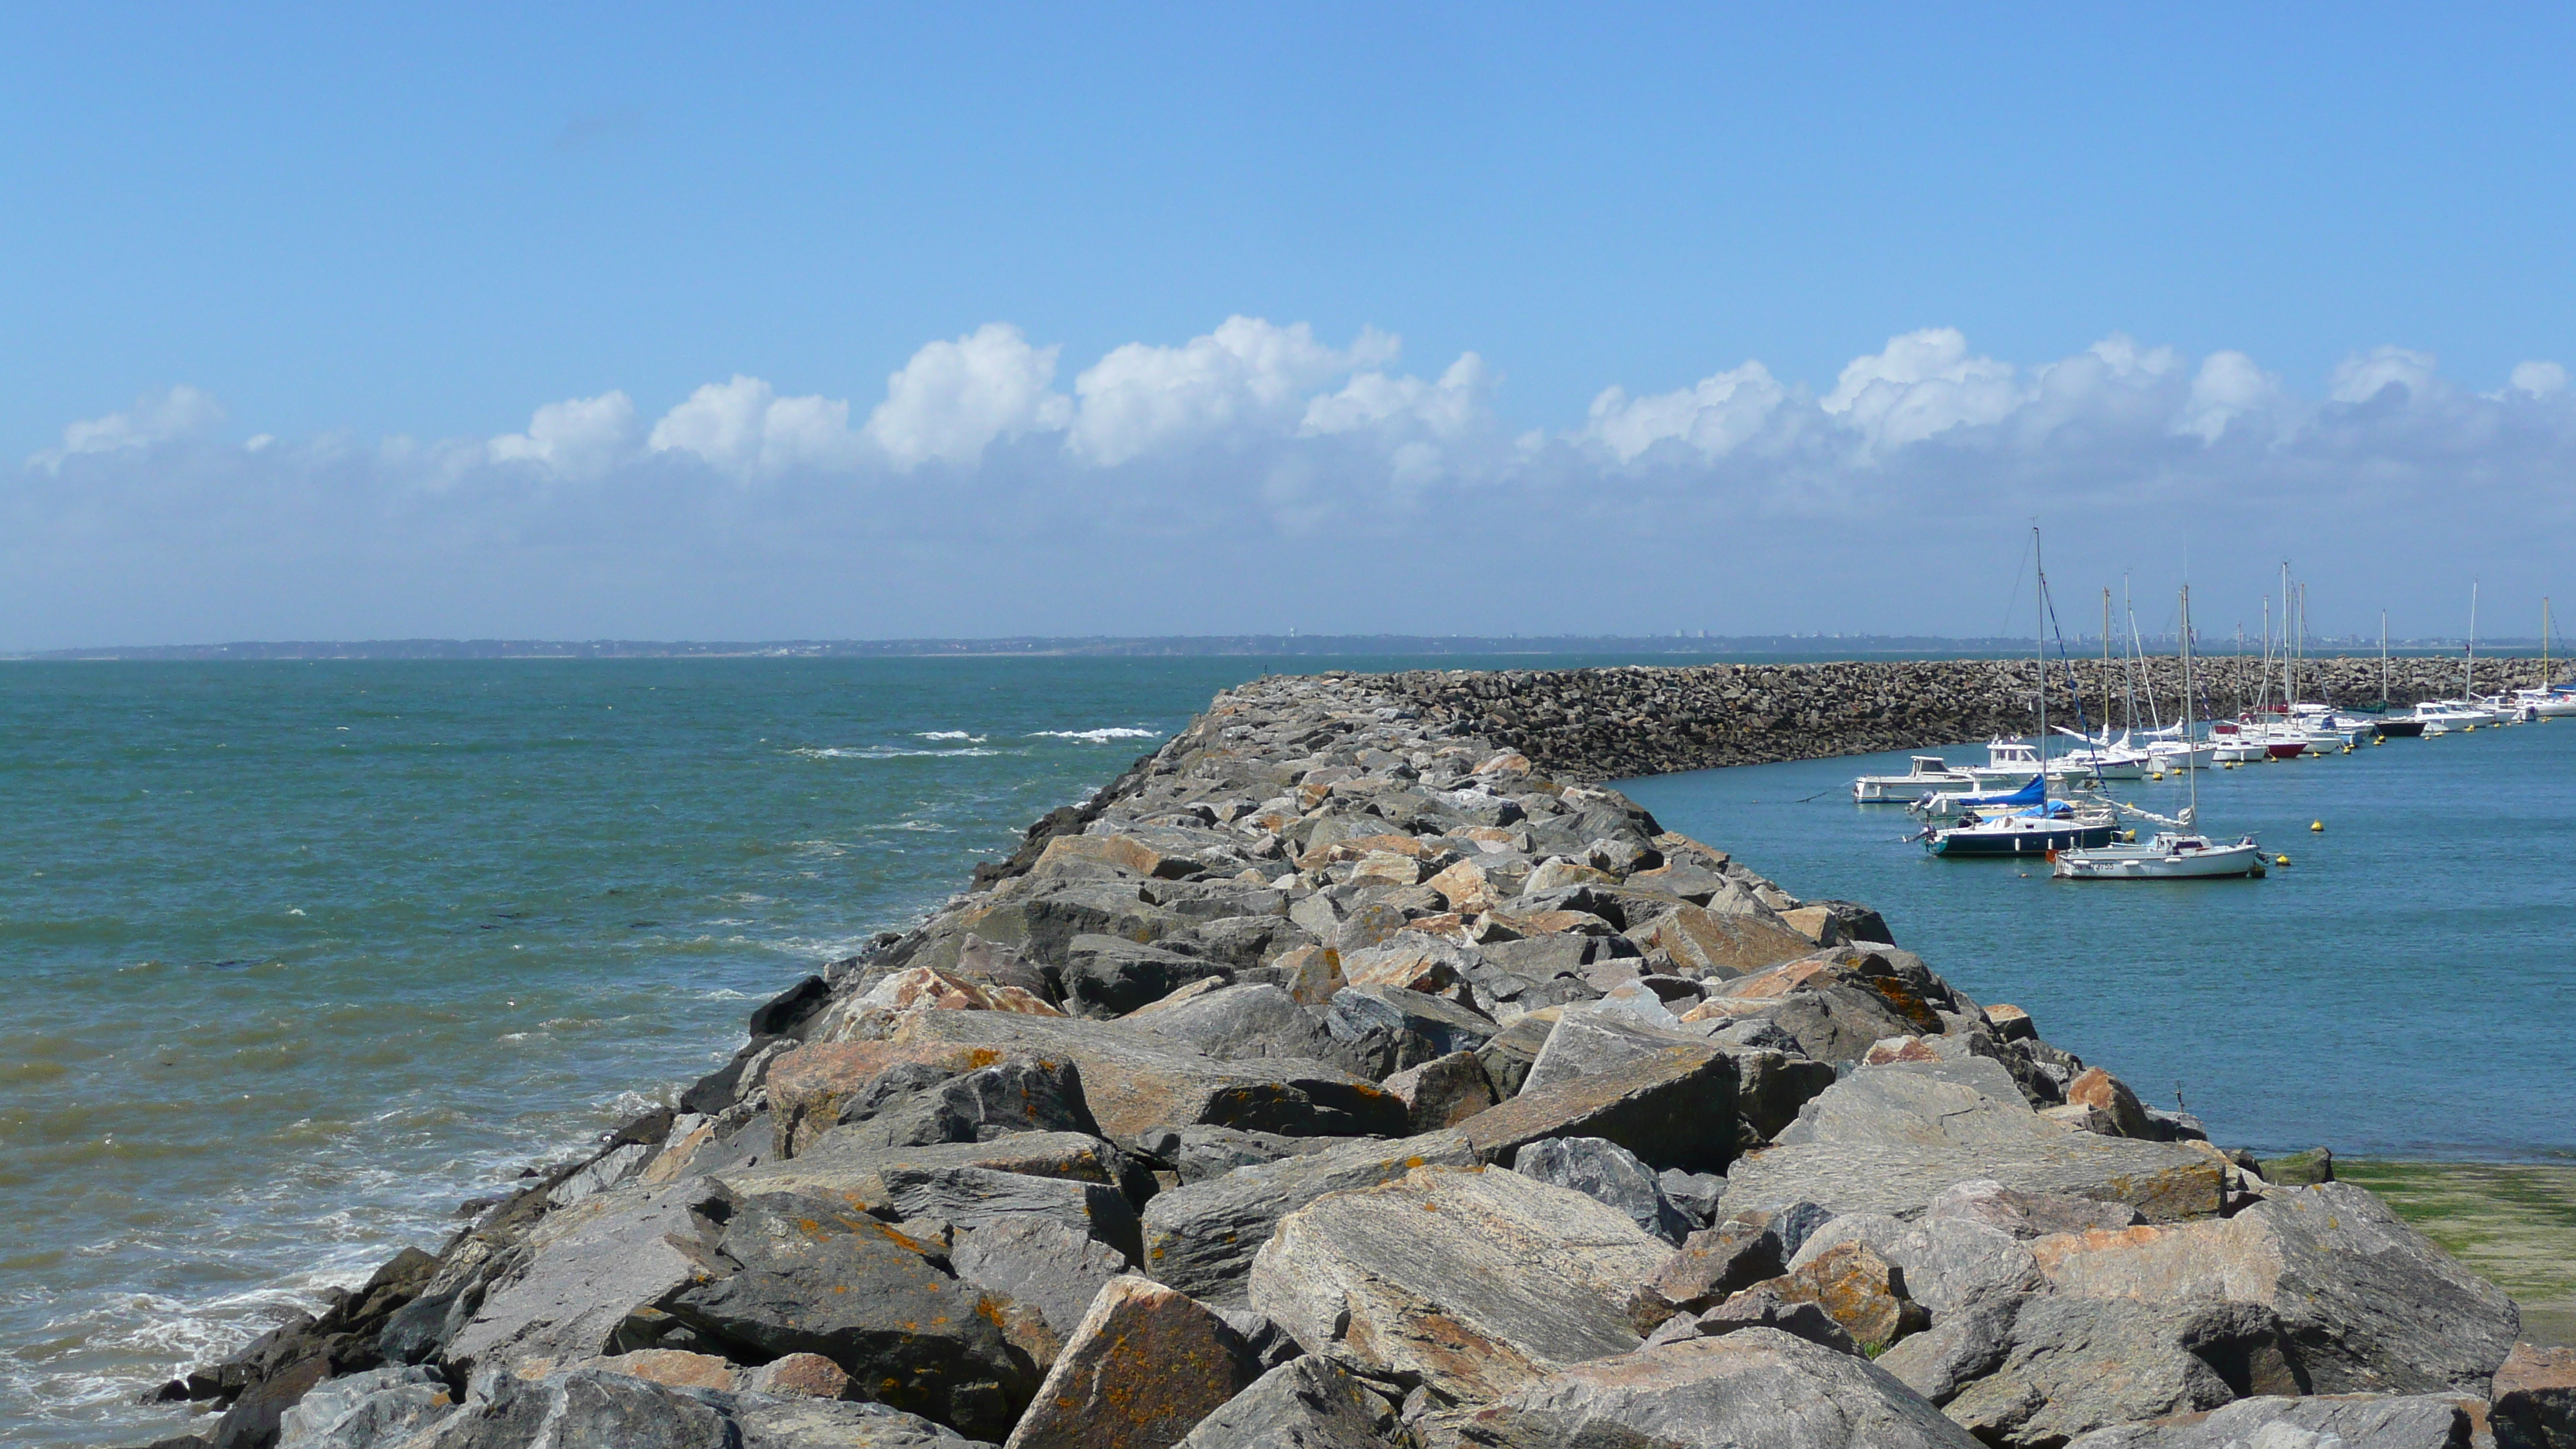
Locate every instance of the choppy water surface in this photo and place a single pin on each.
(2403, 988)
(295, 957)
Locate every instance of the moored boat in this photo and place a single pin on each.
(1929, 776)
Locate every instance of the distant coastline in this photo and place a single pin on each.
(1733, 647)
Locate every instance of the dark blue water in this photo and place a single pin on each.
(2404, 987)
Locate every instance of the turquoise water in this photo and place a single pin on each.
(295, 957)
(2404, 987)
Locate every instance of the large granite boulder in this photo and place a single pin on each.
(1607, 1173)
(1469, 1282)
(2362, 1421)
(2366, 1303)
(1890, 1139)
(1201, 1238)
(1754, 1387)
(601, 1407)
(2072, 1365)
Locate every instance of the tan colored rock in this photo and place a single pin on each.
(674, 1368)
(1144, 1366)
(1702, 942)
(1858, 1289)
(804, 1375)
(1816, 923)
(1506, 762)
(1558, 874)
(1120, 852)
(1553, 923)
(2110, 1096)
(1385, 867)
(2534, 1399)
(808, 1085)
(2011, 1022)
(1465, 888)
(923, 989)
(1310, 974)
(1406, 961)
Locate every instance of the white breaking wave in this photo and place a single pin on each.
(1099, 736)
(889, 752)
(949, 735)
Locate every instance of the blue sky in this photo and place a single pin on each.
(2328, 250)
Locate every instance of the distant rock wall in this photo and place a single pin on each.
(1611, 724)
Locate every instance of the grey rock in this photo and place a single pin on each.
(379, 1407)
(1269, 1344)
(1891, 1138)
(1672, 1107)
(583, 1270)
(1837, 1022)
(1757, 1033)
(780, 1421)
(1695, 1193)
(1959, 1348)
(1773, 1087)
(1715, 1264)
(1761, 1306)
(1199, 1153)
(1240, 1022)
(916, 1104)
(1609, 1174)
(2081, 1364)
(1045, 1264)
(2371, 1304)
(1601, 1034)
(1755, 1387)
(1950, 1263)
(1105, 975)
(1134, 1079)
(1305, 1403)
(1201, 1238)
(1443, 1091)
(583, 1406)
(2028, 1214)
(1511, 1052)
(811, 1275)
(1466, 1282)
(976, 1197)
(2425, 1421)
(1404, 1028)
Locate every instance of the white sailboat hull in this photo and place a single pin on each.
(2164, 858)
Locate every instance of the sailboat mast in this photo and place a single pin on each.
(2383, 658)
(2039, 652)
(2469, 672)
(2544, 641)
(2106, 666)
(2193, 814)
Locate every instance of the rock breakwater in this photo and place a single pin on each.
(1350, 1073)
(1614, 724)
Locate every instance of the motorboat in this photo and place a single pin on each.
(2549, 701)
(2165, 756)
(2442, 716)
(2168, 855)
(1952, 803)
(2009, 765)
(1929, 776)
(2036, 830)
(2232, 744)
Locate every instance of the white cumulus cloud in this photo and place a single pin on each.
(1920, 384)
(2539, 379)
(1447, 408)
(1248, 372)
(955, 399)
(2361, 378)
(178, 415)
(1715, 416)
(744, 428)
(578, 438)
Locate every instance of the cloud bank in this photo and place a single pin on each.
(1258, 477)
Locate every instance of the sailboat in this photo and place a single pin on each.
(2550, 699)
(2181, 853)
(2026, 822)
(2393, 726)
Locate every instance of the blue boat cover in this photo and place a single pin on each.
(2030, 794)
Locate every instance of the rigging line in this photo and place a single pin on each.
(2074, 685)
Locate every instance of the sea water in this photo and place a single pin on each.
(295, 957)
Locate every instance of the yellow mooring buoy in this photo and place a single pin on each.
(2316, 825)
(2280, 860)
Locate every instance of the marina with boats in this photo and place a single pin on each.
(2025, 802)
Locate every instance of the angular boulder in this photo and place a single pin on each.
(1469, 1282)
(1305, 1403)
(2368, 1304)
(1140, 1370)
(1755, 1387)
(1201, 1238)
(1607, 1173)
(1443, 1091)
(2427, 1421)
(2074, 1365)
(1046, 1265)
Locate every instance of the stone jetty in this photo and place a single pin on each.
(1350, 1072)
